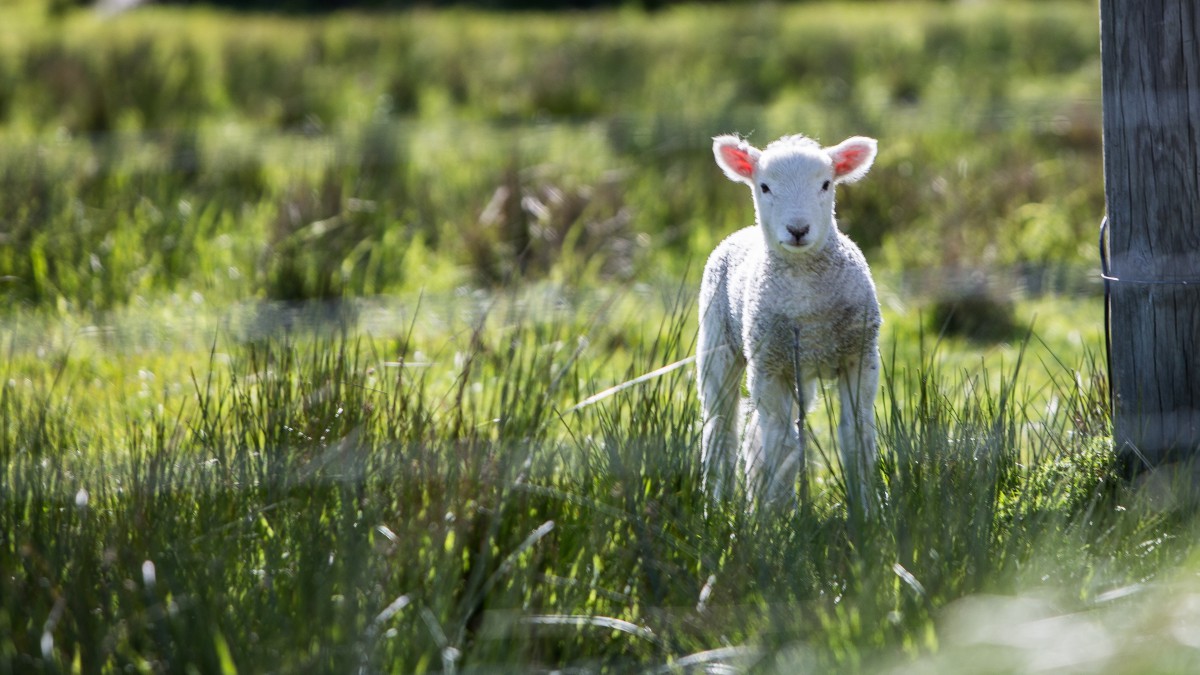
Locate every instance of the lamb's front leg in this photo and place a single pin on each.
(773, 449)
(721, 375)
(858, 382)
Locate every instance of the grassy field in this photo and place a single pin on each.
(298, 314)
(320, 500)
(165, 152)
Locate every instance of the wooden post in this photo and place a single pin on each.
(1150, 55)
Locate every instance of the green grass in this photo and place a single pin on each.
(334, 500)
(297, 312)
(171, 151)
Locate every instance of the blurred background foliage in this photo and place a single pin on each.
(322, 6)
(190, 150)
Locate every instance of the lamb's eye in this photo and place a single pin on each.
(825, 186)
(764, 188)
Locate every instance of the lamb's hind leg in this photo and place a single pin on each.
(721, 372)
(858, 382)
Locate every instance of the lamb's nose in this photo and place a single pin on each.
(797, 232)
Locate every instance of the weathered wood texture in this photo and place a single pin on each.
(1151, 95)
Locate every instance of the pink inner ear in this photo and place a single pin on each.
(738, 160)
(848, 160)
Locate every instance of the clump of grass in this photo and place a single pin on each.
(975, 310)
(531, 226)
(309, 240)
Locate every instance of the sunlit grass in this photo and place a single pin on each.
(415, 485)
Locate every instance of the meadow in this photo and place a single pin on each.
(323, 334)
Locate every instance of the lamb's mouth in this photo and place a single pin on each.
(798, 238)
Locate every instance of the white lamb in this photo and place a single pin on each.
(793, 291)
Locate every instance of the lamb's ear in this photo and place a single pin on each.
(852, 158)
(737, 158)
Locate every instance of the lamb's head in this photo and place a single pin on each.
(792, 181)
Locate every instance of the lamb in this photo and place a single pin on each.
(792, 293)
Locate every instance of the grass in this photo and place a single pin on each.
(331, 499)
(298, 312)
(171, 151)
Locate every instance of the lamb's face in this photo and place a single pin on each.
(792, 183)
(793, 198)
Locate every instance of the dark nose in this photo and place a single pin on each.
(797, 232)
